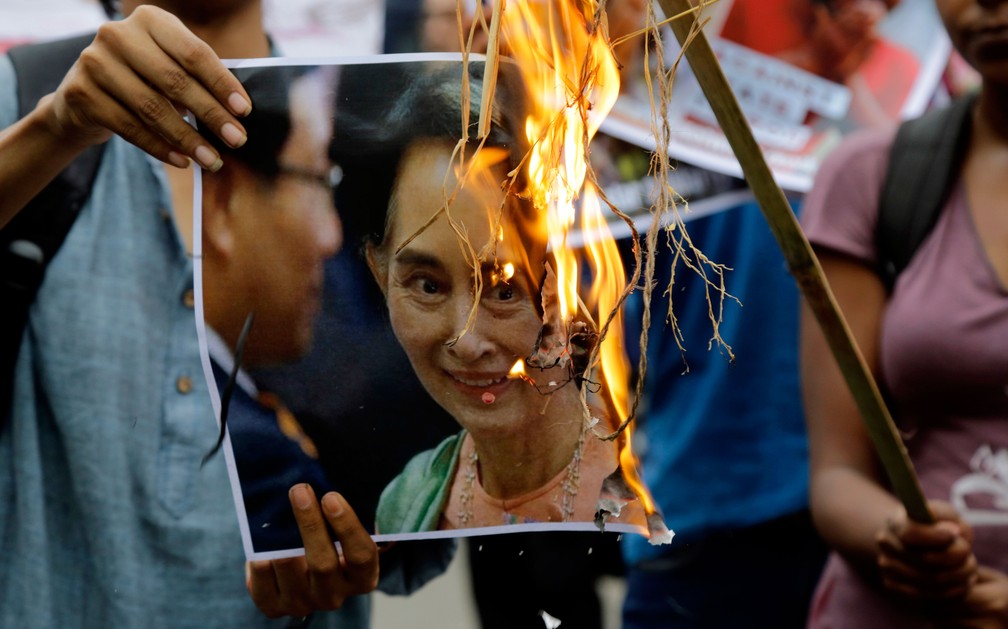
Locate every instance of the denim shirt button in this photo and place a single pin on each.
(184, 385)
(189, 299)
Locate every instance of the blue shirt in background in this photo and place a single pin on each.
(723, 444)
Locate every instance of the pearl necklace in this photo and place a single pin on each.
(568, 487)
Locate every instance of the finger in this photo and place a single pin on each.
(86, 105)
(923, 554)
(931, 535)
(263, 587)
(181, 85)
(197, 58)
(938, 535)
(202, 64)
(148, 120)
(964, 574)
(139, 53)
(322, 560)
(917, 592)
(330, 579)
(294, 596)
(941, 584)
(360, 553)
(984, 605)
(318, 544)
(944, 511)
(929, 560)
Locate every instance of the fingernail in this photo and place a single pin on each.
(233, 135)
(300, 497)
(178, 160)
(208, 159)
(951, 527)
(332, 504)
(238, 104)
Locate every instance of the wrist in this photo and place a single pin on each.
(67, 132)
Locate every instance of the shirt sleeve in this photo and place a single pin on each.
(841, 210)
(8, 93)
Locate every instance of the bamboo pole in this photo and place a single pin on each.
(801, 260)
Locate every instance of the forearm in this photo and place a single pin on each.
(850, 504)
(32, 153)
(849, 510)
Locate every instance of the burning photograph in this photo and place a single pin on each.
(391, 309)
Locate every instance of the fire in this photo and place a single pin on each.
(507, 271)
(604, 298)
(562, 51)
(518, 370)
(573, 80)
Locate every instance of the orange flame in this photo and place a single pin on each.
(573, 80)
(518, 370)
(572, 77)
(604, 297)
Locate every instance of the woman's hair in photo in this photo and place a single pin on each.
(375, 123)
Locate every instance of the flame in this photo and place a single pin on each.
(609, 275)
(507, 271)
(566, 61)
(573, 81)
(518, 370)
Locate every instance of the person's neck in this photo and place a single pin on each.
(235, 32)
(514, 465)
(992, 120)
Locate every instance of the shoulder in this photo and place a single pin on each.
(848, 158)
(412, 501)
(859, 162)
(841, 210)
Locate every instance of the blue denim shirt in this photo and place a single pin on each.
(107, 518)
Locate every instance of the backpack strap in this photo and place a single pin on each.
(924, 163)
(30, 240)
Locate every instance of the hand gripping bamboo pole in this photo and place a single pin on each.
(800, 258)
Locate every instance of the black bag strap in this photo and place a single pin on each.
(924, 164)
(31, 239)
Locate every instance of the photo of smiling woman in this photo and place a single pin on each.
(524, 454)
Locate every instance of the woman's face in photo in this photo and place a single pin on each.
(429, 289)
